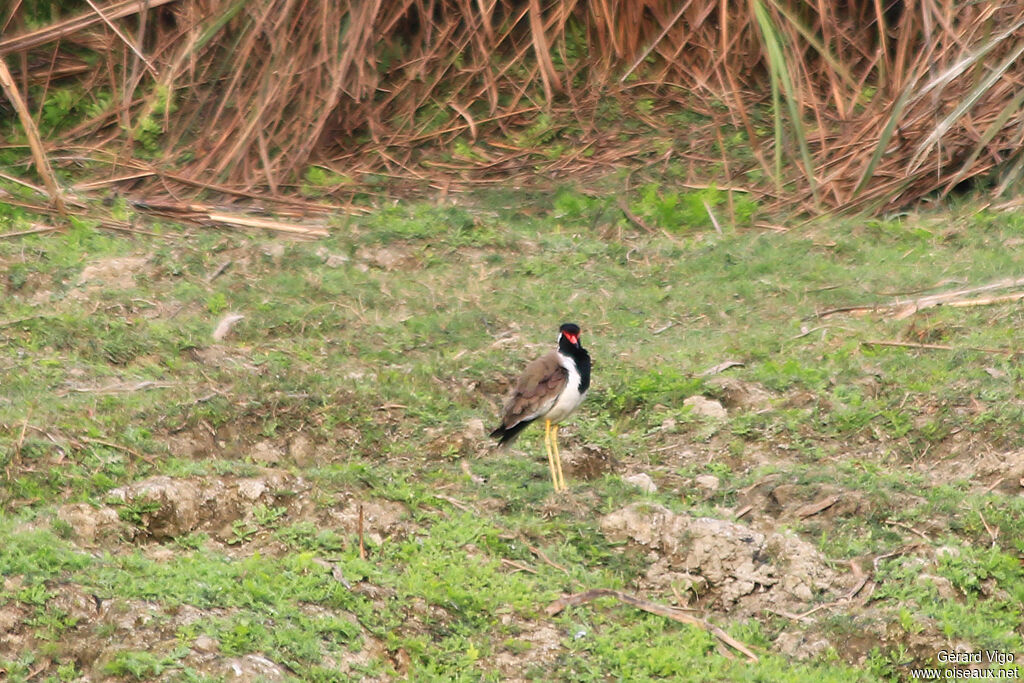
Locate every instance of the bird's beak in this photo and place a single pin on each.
(573, 339)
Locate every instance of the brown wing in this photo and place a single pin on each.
(541, 383)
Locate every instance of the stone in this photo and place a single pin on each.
(706, 407)
(708, 483)
(642, 481)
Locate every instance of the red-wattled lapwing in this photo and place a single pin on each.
(549, 389)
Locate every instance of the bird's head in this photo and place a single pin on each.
(570, 332)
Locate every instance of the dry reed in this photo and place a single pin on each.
(851, 106)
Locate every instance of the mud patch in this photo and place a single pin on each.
(535, 646)
(725, 564)
(587, 462)
(738, 395)
(110, 273)
(391, 257)
(90, 525)
(989, 471)
(164, 507)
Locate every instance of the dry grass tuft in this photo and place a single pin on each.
(861, 105)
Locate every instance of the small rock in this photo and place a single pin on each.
(788, 495)
(386, 258)
(161, 554)
(254, 668)
(800, 645)
(274, 250)
(947, 550)
(301, 450)
(251, 489)
(642, 481)
(708, 483)
(706, 407)
(177, 505)
(475, 428)
(266, 453)
(89, 524)
(206, 644)
(943, 585)
(223, 328)
(331, 260)
(743, 395)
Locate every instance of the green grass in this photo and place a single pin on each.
(381, 359)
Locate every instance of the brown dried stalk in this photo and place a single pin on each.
(35, 144)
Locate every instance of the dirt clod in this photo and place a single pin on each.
(706, 407)
(737, 394)
(167, 507)
(90, 524)
(737, 563)
(267, 453)
(253, 668)
(707, 483)
(801, 645)
(642, 481)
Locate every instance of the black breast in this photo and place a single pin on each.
(582, 359)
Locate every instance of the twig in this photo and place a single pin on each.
(862, 579)
(219, 271)
(111, 444)
(992, 487)
(633, 218)
(115, 10)
(814, 508)
(457, 503)
(34, 231)
(654, 43)
(994, 535)
(362, 546)
(24, 183)
(742, 511)
(335, 570)
(117, 388)
(721, 367)
(856, 310)
(16, 456)
(517, 565)
(124, 38)
(266, 224)
(17, 321)
(653, 608)
(894, 553)
(475, 478)
(939, 347)
(540, 553)
(987, 301)
(714, 221)
(957, 298)
(903, 525)
(806, 331)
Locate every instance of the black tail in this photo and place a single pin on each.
(508, 434)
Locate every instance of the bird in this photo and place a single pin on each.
(551, 388)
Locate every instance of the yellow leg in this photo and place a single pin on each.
(558, 460)
(551, 455)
